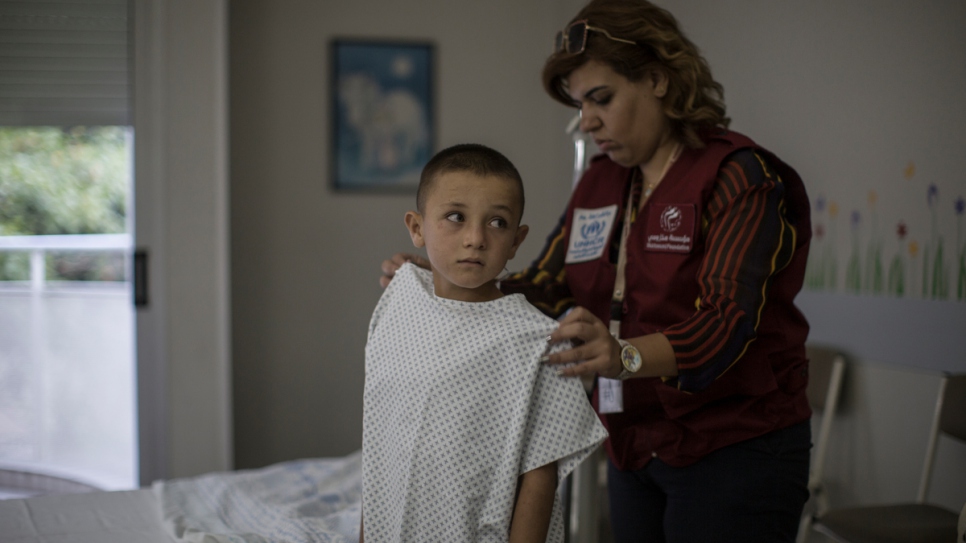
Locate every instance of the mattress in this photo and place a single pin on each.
(300, 501)
(97, 517)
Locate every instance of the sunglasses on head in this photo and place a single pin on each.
(573, 39)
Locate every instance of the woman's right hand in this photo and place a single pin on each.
(390, 266)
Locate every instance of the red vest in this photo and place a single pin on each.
(765, 389)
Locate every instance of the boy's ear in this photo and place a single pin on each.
(414, 223)
(521, 235)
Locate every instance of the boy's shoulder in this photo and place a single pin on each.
(410, 284)
(412, 275)
(410, 280)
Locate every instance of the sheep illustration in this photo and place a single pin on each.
(390, 125)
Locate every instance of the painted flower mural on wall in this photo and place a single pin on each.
(931, 267)
(959, 207)
(934, 283)
(853, 272)
(821, 271)
(897, 270)
(873, 272)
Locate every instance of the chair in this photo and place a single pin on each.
(826, 370)
(908, 522)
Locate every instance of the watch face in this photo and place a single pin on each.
(631, 358)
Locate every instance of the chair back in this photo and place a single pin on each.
(952, 421)
(825, 372)
(949, 418)
(961, 526)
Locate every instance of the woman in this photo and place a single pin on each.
(688, 242)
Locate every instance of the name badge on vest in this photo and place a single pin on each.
(610, 395)
(590, 231)
(670, 228)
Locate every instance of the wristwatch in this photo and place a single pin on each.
(630, 360)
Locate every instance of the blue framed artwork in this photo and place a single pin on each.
(382, 112)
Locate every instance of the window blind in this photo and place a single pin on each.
(64, 63)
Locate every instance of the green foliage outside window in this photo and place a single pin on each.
(64, 181)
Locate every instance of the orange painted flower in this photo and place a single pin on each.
(910, 170)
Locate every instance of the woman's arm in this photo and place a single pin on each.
(531, 512)
(544, 282)
(750, 239)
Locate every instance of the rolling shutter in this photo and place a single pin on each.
(64, 63)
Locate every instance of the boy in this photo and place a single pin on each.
(465, 433)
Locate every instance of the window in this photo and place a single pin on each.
(67, 362)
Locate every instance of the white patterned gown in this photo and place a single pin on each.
(457, 407)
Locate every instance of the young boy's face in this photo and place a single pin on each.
(470, 228)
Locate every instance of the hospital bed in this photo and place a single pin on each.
(314, 500)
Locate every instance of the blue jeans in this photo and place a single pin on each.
(750, 491)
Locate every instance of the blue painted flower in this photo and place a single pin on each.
(932, 195)
(820, 203)
(960, 205)
(856, 218)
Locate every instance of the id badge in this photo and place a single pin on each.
(610, 395)
(590, 232)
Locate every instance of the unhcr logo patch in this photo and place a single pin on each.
(590, 232)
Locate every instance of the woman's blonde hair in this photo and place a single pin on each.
(694, 101)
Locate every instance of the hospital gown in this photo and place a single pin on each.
(457, 407)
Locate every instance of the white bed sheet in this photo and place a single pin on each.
(98, 517)
(301, 501)
(315, 500)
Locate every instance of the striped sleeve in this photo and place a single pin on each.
(544, 281)
(749, 240)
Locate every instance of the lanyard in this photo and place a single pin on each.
(617, 300)
(610, 392)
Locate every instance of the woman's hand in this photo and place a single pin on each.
(595, 350)
(390, 266)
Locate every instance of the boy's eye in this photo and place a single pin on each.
(455, 217)
(498, 223)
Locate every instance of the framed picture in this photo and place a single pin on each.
(382, 114)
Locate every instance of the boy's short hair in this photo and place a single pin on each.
(467, 157)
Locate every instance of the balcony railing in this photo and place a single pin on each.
(39, 246)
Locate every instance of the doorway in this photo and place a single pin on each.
(68, 403)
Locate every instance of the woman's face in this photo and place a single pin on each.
(624, 117)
